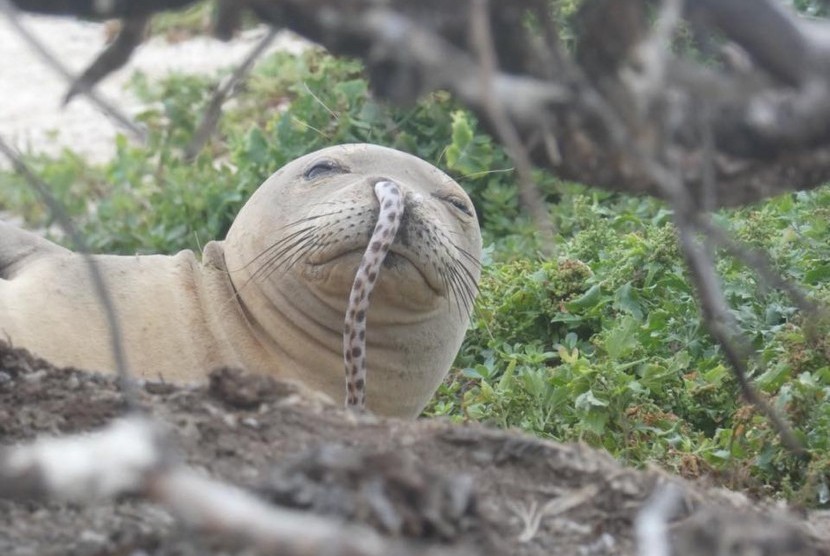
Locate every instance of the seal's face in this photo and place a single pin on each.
(438, 240)
(301, 237)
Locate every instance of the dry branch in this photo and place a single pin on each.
(407, 56)
(652, 523)
(210, 119)
(99, 10)
(130, 456)
(113, 57)
(529, 194)
(768, 120)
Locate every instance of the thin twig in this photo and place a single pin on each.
(715, 309)
(699, 260)
(108, 109)
(759, 261)
(653, 55)
(529, 194)
(80, 245)
(214, 107)
(113, 57)
(721, 325)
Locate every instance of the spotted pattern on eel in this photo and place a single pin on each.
(390, 215)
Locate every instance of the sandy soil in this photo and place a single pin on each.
(31, 114)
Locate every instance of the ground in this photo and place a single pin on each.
(448, 488)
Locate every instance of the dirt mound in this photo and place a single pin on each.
(445, 488)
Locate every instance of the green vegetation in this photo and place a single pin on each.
(601, 343)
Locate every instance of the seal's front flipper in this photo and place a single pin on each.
(18, 246)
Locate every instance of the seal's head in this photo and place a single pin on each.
(294, 249)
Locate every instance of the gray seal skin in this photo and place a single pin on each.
(271, 297)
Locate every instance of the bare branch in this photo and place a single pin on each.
(652, 522)
(99, 10)
(84, 469)
(785, 53)
(128, 457)
(719, 321)
(214, 108)
(722, 326)
(760, 262)
(113, 57)
(529, 194)
(768, 120)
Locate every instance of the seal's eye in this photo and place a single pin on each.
(322, 167)
(459, 203)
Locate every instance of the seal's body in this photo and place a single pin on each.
(271, 298)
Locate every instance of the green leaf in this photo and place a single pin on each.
(589, 299)
(622, 339)
(587, 400)
(818, 274)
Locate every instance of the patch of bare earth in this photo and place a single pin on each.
(444, 488)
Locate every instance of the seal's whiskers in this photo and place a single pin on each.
(390, 215)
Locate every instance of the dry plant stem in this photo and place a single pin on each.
(566, 501)
(760, 262)
(653, 55)
(125, 381)
(699, 259)
(652, 522)
(113, 57)
(722, 325)
(214, 107)
(528, 192)
(785, 53)
(714, 308)
(108, 109)
(210, 505)
(129, 457)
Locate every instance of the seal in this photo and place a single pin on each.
(273, 296)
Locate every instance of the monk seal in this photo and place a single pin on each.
(271, 297)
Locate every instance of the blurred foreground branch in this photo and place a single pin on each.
(132, 456)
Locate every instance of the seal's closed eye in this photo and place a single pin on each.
(458, 203)
(321, 167)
